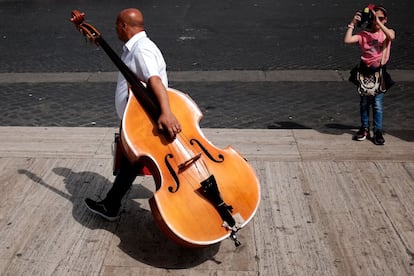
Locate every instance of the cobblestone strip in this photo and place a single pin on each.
(201, 76)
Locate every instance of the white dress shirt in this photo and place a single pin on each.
(144, 58)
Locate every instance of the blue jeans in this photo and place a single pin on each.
(376, 102)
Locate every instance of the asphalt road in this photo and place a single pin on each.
(36, 36)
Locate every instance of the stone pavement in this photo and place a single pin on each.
(329, 206)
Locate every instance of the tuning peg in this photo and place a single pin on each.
(77, 17)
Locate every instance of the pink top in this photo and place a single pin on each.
(371, 46)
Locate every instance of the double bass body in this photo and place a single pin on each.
(182, 168)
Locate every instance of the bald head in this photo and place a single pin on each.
(128, 23)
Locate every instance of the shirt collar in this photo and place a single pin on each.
(128, 45)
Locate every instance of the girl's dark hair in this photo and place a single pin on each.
(381, 8)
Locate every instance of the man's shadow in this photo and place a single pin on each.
(332, 129)
(140, 237)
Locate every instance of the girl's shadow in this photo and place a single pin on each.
(139, 236)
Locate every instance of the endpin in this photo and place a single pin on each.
(233, 237)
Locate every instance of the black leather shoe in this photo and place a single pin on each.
(98, 207)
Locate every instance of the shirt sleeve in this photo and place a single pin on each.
(147, 62)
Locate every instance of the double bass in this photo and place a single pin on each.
(203, 194)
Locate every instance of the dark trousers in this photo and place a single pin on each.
(123, 181)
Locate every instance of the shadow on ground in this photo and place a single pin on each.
(139, 236)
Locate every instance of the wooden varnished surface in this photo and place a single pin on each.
(329, 206)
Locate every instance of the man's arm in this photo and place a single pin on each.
(167, 120)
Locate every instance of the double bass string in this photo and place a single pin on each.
(196, 168)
